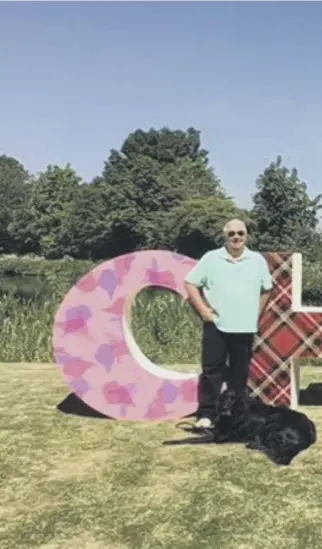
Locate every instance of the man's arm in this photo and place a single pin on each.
(194, 281)
(264, 299)
(198, 302)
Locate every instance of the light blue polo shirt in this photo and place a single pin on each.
(232, 288)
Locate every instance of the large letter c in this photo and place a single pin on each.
(96, 351)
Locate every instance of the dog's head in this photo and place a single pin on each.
(289, 440)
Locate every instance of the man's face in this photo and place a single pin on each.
(236, 236)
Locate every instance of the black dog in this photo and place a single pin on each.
(278, 432)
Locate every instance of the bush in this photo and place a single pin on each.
(165, 327)
(63, 273)
(26, 329)
(12, 265)
(312, 284)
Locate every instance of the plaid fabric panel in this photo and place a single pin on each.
(283, 335)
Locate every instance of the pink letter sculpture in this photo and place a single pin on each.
(101, 362)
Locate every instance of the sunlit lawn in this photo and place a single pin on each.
(79, 483)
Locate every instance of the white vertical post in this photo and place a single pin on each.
(297, 307)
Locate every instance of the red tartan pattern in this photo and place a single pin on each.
(283, 336)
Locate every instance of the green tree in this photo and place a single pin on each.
(197, 224)
(164, 145)
(154, 172)
(286, 218)
(88, 228)
(13, 191)
(157, 177)
(40, 226)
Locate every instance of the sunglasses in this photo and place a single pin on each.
(236, 233)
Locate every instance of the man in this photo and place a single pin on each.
(229, 287)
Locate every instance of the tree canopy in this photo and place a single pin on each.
(157, 191)
(286, 218)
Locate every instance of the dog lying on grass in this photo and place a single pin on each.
(278, 432)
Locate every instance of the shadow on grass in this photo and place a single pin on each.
(311, 396)
(73, 405)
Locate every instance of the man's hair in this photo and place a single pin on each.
(234, 219)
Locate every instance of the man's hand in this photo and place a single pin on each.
(207, 314)
(264, 299)
(199, 304)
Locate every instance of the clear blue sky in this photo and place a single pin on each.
(76, 78)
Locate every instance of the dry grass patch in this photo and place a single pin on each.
(79, 483)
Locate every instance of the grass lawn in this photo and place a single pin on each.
(80, 483)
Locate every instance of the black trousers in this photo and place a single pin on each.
(217, 347)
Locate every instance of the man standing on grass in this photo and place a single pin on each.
(235, 283)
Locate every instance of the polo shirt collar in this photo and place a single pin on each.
(223, 253)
